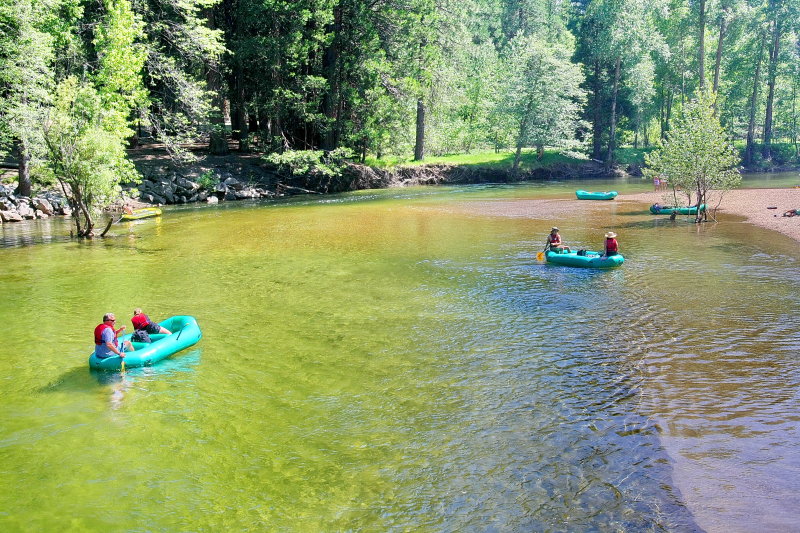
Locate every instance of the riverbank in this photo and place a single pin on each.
(753, 204)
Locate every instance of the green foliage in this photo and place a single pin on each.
(311, 162)
(542, 94)
(85, 151)
(697, 156)
(208, 180)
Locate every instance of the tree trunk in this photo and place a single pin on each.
(24, 171)
(794, 118)
(723, 28)
(419, 145)
(517, 158)
(751, 126)
(218, 141)
(331, 66)
(597, 126)
(701, 45)
(766, 150)
(613, 130)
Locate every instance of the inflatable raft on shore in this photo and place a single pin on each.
(185, 333)
(669, 209)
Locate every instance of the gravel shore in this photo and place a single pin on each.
(753, 204)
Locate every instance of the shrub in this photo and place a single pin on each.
(316, 163)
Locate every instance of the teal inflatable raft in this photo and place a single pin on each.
(586, 195)
(669, 209)
(185, 333)
(590, 260)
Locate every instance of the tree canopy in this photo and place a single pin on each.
(403, 77)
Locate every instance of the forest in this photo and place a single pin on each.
(82, 80)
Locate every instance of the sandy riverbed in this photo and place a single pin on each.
(752, 204)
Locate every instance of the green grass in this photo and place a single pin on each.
(629, 155)
(488, 159)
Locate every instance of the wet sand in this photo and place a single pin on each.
(753, 204)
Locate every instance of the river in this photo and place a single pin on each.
(395, 360)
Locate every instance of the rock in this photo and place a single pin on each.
(221, 187)
(212, 200)
(10, 216)
(234, 184)
(26, 212)
(41, 214)
(66, 210)
(43, 205)
(7, 205)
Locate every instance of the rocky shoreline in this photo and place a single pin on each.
(225, 179)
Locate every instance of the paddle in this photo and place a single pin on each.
(540, 255)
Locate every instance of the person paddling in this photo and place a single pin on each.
(107, 343)
(611, 245)
(554, 242)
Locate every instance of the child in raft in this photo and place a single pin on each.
(554, 242)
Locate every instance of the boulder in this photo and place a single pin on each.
(43, 205)
(234, 184)
(7, 205)
(26, 211)
(212, 200)
(41, 214)
(10, 216)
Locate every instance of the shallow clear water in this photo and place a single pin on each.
(382, 361)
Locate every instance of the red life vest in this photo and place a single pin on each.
(140, 321)
(98, 333)
(612, 245)
(554, 239)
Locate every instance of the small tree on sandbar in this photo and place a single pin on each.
(697, 156)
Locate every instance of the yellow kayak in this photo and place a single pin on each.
(142, 213)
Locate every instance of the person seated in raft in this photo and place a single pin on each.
(554, 242)
(657, 207)
(127, 209)
(611, 245)
(792, 213)
(106, 339)
(144, 327)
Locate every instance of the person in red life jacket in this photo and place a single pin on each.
(611, 246)
(554, 242)
(141, 322)
(106, 341)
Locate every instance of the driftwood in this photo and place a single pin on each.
(108, 226)
(289, 189)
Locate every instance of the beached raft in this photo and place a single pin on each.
(145, 212)
(185, 333)
(590, 260)
(669, 209)
(586, 195)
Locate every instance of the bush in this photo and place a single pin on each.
(208, 180)
(315, 163)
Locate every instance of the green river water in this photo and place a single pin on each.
(399, 361)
